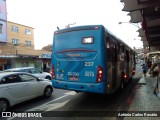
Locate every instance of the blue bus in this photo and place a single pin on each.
(90, 59)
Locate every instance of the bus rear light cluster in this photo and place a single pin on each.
(99, 74)
(124, 76)
(133, 71)
(53, 72)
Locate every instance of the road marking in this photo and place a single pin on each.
(44, 105)
(56, 105)
(70, 93)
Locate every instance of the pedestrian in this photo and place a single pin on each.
(149, 64)
(155, 68)
(144, 68)
(157, 87)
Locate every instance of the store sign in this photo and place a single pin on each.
(8, 56)
(45, 55)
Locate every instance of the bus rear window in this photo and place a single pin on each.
(87, 40)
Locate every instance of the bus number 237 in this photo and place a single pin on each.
(89, 63)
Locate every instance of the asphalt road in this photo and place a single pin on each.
(66, 104)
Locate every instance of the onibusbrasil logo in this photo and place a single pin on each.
(21, 115)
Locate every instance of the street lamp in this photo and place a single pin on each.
(137, 39)
(68, 25)
(137, 25)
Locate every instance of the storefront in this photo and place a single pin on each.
(6, 61)
(10, 57)
(25, 61)
(38, 64)
(46, 61)
(3, 62)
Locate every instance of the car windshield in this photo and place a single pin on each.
(34, 71)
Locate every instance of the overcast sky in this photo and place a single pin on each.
(45, 15)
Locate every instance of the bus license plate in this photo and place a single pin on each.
(73, 77)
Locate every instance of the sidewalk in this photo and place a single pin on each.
(144, 99)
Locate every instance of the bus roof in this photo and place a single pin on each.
(76, 28)
(91, 27)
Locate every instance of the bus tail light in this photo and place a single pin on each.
(99, 74)
(133, 71)
(53, 72)
(124, 76)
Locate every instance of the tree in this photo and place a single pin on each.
(47, 48)
(134, 47)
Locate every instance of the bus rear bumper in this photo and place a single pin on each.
(80, 87)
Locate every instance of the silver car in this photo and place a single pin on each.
(31, 70)
(16, 87)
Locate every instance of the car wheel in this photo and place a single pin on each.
(48, 91)
(3, 105)
(48, 77)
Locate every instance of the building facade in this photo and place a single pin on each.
(17, 45)
(19, 49)
(21, 37)
(3, 29)
(3, 22)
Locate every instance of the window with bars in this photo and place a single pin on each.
(15, 29)
(28, 32)
(28, 43)
(15, 41)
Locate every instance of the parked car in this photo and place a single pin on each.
(31, 70)
(17, 87)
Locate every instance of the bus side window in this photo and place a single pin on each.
(127, 55)
(108, 49)
(121, 52)
(130, 54)
(114, 52)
